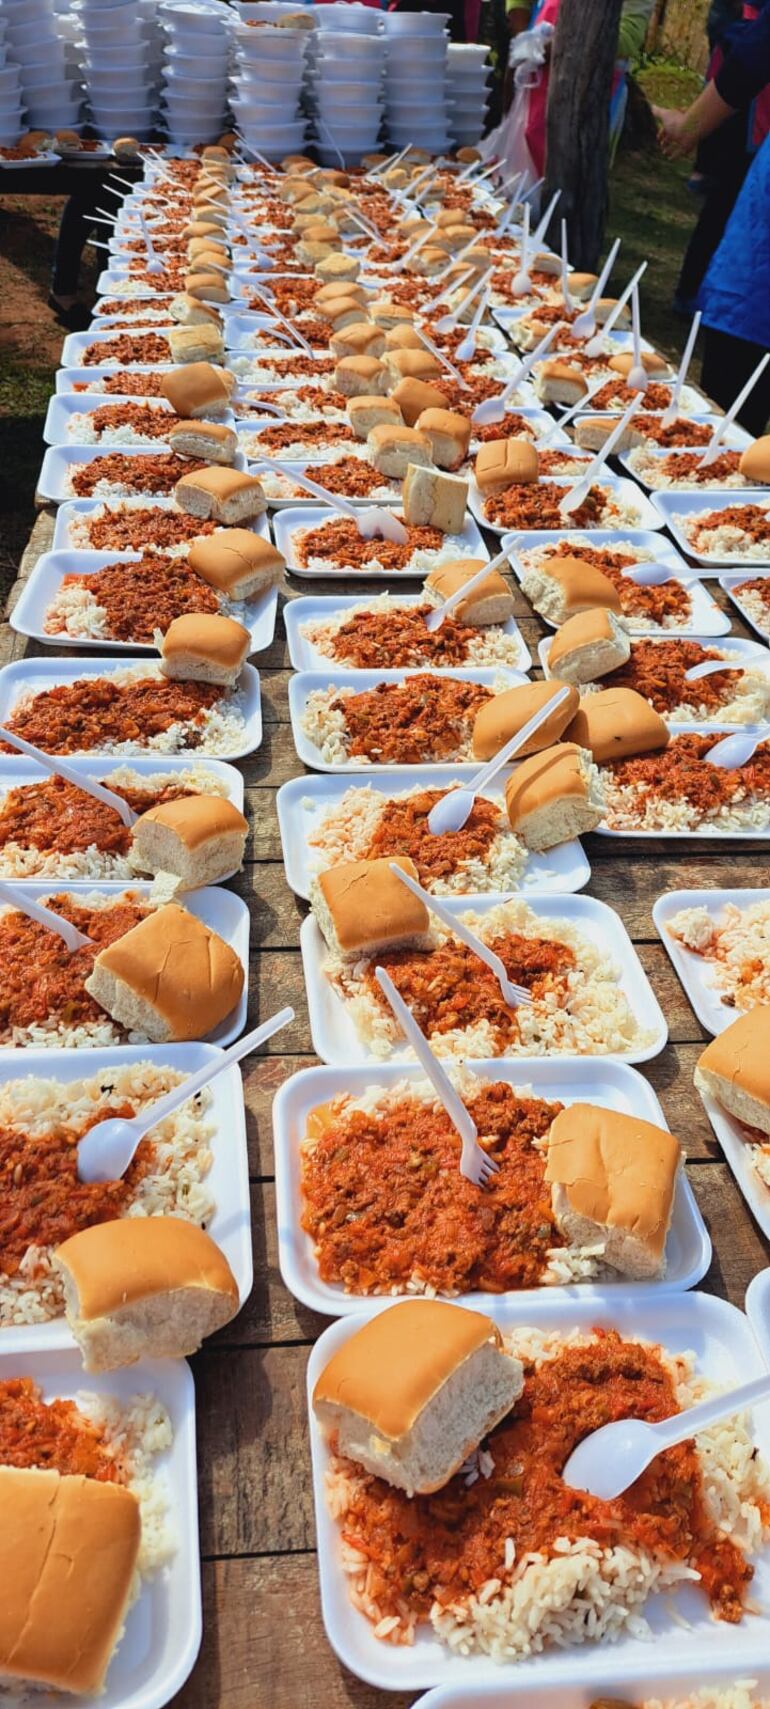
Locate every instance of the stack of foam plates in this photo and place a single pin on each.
(347, 82)
(416, 104)
(267, 81)
(35, 45)
(468, 70)
(117, 69)
(196, 67)
(10, 94)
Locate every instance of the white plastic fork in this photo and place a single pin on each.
(712, 449)
(370, 520)
(568, 416)
(493, 409)
(387, 165)
(275, 314)
(435, 618)
(736, 750)
(448, 322)
(585, 325)
(444, 360)
(475, 1165)
(512, 994)
(670, 412)
(595, 346)
(638, 378)
(456, 285)
(59, 768)
(473, 172)
(455, 260)
(414, 248)
(574, 496)
(466, 349)
(454, 808)
(105, 1152)
(13, 897)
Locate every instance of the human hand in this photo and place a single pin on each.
(675, 134)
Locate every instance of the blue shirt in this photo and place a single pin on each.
(735, 295)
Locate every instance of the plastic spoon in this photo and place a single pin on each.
(670, 412)
(652, 575)
(574, 497)
(512, 994)
(370, 521)
(585, 325)
(275, 314)
(456, 285)
(595, 346)
(711, 667)
(638, 378)
(712, 449)
(475, 1165)
(72, 938)
(440, 357)
(493, 409)
(105, 1152)
(737, 750)
(58, 768)
(501, 230)
(449, 321)
(454, 808)
(456, 259)
(610, 1460)
(436, 617)
(565, 269)
(466, 350)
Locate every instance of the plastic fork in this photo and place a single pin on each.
(736, 750)
(440, 357)
(455, 808)
(574, 496)
(512, 994)
(282, 321)
(473, 172)
(638, 377)
(712, 667)
(456, 259)
(670, 412)
(712, 449)
(456, 285)
(398, 266)
(493, 409)
(466, 350)
(448, 322)
(595, 345)
(475, 1165)
(585, 325)
(522, 284)
(370, 521)
(387, 165)
(71, 937)
(436, 617)
(59, 768)
(568, 416)
(106, 1151)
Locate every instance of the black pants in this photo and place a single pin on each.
(77, 223)
(727, 364)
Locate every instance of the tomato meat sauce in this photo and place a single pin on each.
(156, 473)
(57, 817)
(96, 713)
(385, 1203)
(449, 990)
(136, 529)
(670, 600)
(679, 771)
(43, 981)
(43, 1201)
(52, 1435)
(407, 722)
(535, 504)
(403, 830)
(656, 670)
(397, 639)
(141, 597)
(442, 1548)
(342, 544)
(150, 348)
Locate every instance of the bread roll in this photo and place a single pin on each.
(343, 313)
(449, 434)
(207, 439)
(735, 1069)
(414, 365)
(502, 463)
(414, 396)
(613, 1180)
(360, 376)
(554, 796)
(559, 381)
(560, 587)
(388, 314)
(224, 495)
(170, 978)
(592, 430)
(207, 288)
(362, 907)
(197, 389)
(433, 500)
(336, 267)
(490, 602)
(755, 461)
(198, 647)
(500, 718)
(362, 339)
(193, 343)
(652, 363)
(366, 413)
(198, 839)
(617, 722)
(393, 449)
(588, 646)
(238, 563)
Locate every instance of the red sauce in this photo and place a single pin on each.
(53, 1435)
(405, 723)
(147, 347)
(141, 597)
(398, 639)
(685, 466)
(343, 546)
(402, 830)
(655, 395)
(310, 433)
(141, 418)
(535, 504)
(97, 713)
(445, 1546)
(449, 989)
(42, 1199)
(128, 382)
(512, 426)
(154, 473)
(137, 529)
(679, 770)
(351, 477)
(43, 981)
(57, 817)
(681, 432)
(656, 670)
(383, 1197)
(753, 519)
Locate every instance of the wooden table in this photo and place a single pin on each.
(264, 1645)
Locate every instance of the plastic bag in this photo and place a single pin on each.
(508, 143)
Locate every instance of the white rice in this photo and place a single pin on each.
(741, 1695)
(81, 430)
(734, 946)
(300, 450)
(747, 698)
(221, 728)
(76, 611)
(532, 557)
(325, 727)
(176, 1187)
(421, 562)
(726, 540)
(345, 832)
(595, 1019)
(80, 525)
(627, 809)
(649, 468)
(584, 1591)
(137, 1432)
(755, 608)
(56, 1034)
(20, 861)
(294, 408)
(488, 646)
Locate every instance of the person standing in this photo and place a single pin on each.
(735, 301)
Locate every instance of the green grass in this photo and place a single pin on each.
(24, 394)
(667, 84)
(653, 213)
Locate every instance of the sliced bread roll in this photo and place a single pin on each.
(560, 587)
(209, 439)
(199, 839)
(449, 434)
(417, 1388)
(170, 978)
(554, 796)
(365, 413)
(359, 376)
(433, 500)
(587, 646)
(203, 647)
(735, 1069)
(361, 907)
(393, 449)
(613, 1180)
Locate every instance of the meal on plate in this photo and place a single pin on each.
(735, 947)
(683, 470)
(566, 577)
(126, 382)
(52, 829)
(581, 1192)
(301, 404)
(134, 709)
(645, 430)
(493, 1553)
(149, 349)
(121, 424)
(120, 525)
(428, 718)
(753, 597)
(676, 790)
(117, 475)
(369, 918)
(390, 633)
(85, 1524)
(535, 504)
(338, 545)
(658, 671)
(731, 530)
(345, 471)
(45, 1202)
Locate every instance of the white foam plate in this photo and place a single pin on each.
(305, 657)
(335, 1038)
(16, 771)
(305, 682)
(727, 1354)
(303, 801)
(694, 970)
(758, 1313)
(68, 378)
(227, 1179)
(68, 513)
(621, 1684)
(61, 408)
(730, 585)
(59, 459)
(36, 675)
(670, 505)
(295, 516)
(47, 158)
(220, 909)
(625, 492)
(77, 343)
(610, 1084)
(749, 652)
(39, 592)
(163, 1629)
(759, 834)
(737, 1151)
(708, 618)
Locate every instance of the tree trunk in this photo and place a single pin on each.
(582, 61)
(657, 21)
